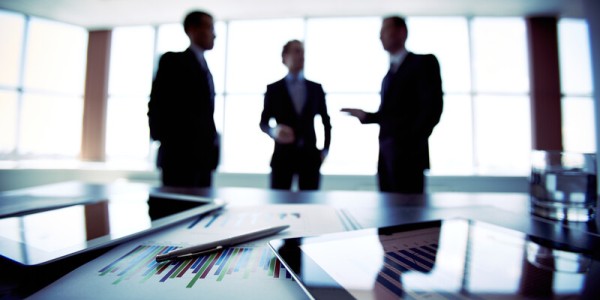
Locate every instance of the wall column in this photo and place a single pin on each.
(592, 15)
(544, 77)
(93, 139)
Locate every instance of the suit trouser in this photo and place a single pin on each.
(402, 181)
(398, 174)
(178, 177)
(305, 166)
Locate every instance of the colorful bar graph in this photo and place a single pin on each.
(418, 259)
(139, 265)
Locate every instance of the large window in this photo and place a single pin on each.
(130, 79)
(502, 131)
(346, 57)
(253, 61)
(451, 144)
(576, 83)
(485, 126)
(485, 79)
(41, 87)
(10, 58)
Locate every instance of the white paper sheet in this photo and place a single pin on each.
(246, 271)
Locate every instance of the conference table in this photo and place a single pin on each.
(363, 209)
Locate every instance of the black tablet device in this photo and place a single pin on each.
(46, 236)
(450, 259)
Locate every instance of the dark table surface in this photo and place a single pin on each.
(364, 209)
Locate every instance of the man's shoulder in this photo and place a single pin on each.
(278, 83)
(172, 55)
(313, 85)
(422, 57)
(310, 82)
(421, 61)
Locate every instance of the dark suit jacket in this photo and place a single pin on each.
(180, 113)
(410, 108)
(278, 104)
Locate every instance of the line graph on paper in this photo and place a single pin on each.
(245, 219)
(302, 219)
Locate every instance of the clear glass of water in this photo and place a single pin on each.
(563, 185)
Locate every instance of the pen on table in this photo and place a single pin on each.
(220, 244)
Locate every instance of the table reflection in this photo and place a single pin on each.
(447, 259)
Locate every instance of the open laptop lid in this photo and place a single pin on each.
(49, 235)
(448, 259)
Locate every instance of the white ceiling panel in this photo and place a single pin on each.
(95, 14)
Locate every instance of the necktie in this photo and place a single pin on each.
(387, 79)
(297, 93)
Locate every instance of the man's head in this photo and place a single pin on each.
(293, 56)
(199, 27)
(393, 34)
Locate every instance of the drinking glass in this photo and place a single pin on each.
(563, 185)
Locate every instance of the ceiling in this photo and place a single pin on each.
(97, 14)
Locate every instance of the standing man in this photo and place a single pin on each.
(180, 111)
(411, 106)
(294, 102)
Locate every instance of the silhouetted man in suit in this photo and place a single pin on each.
(294, 102)
(411, 106)
(181, 107)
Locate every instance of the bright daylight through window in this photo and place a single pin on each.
(484, 67)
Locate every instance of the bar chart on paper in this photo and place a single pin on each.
(250, 261)
(248, 270)
(139, 266)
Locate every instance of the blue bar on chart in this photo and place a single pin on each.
(140, 265)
